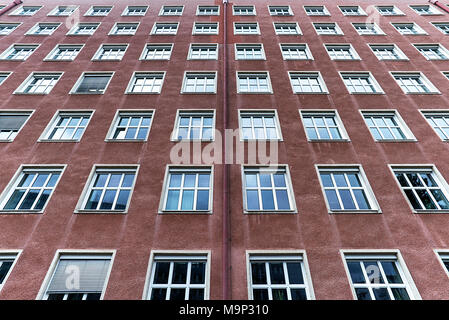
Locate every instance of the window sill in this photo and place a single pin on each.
(338, 212)
(53, 141)
(328, 140)
(269, 212)
(430, 211)
(101, 212)
(178, 212)
(393, 140)
(125, 140)
(20, 212)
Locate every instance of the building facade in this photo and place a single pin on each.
(224, 150)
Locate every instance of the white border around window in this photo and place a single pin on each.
(334, 112)
(83, 74)
(13, 254)
(131, 112)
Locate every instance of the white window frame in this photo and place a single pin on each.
(312, 75)
(420, 31)
(271, 7)
(434, 11)
(203, 45)
(392, 114)
(271, 113)
(91, 10)
(428, 168)
(207, 73)
(163, 13)
(378, 30)
(442, 255)
(439, 25)
(91, 73)
(59, 46)
(237, 32)
(360, 11)
(26, 83)
(199, 7)
(103, 46)
(18, 10)
(66, 112)
(266, 74)
(324, 11)
(193, 113)
(396, 11)
(114, 29)
(108, 169)
(72, 31)
(297, 29)
(9, 255)
(441, 49)
(422, 77)
(281, 256)
(362, 74)
(365, 185)
(15, 25)
(158, 45)
(325, 113)
(19, 112)
(338, 31)
(125, 12)
(156, 25)
(436, 113)
(55, 11)
(129, 113)
(37, 26)
(151, 74)
(349, 47)
(401, 55)
(298, 46)
(5, 74)
(42, 294)
(236, 13)
(186, 169)
(196, 25)
(174, 255)
(250, 46)
(379, 254)
(16, 179)
(11, 48)
(288, 187)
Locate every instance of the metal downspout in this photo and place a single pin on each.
(441, 6)
(10, 6)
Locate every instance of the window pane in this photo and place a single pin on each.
(381, 294)
(179, 272)
(391, 272)
(258, 272)
(202, 202)
(295, 273)
(356, 272)
(198, 270)
(161, 272)
(279, 294)
(362, 294)
(277, 273)
(298, 294)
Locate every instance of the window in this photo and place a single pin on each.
(388, 52)
(131, 125)
(92, 83)
(199, 82)
(171, 10)
(157, 52)
(110, 52)
(63, 11)
(267, 189)
(160, 28)
(278, 277)
(292, 51)
(203, 51)
(414, 83)
(387, 125)
(43, 29)
(409, 29)
(108, 189)
(316, 11)
(146, 82)
(177, 276)
(246, 28)
(98, 11)
(389, 11)
(26, 11)
(369, 29)
(323, 125)
(194, 125)
(124, 29)
(11, 122)
(7, 260)
(259, 125)
(342, 52)
(439, 121)
(244, 10)
(280, 10)
(352, 11)
(30, 189)
(208, 11)
(39, 83)
(433, 51)
(443, 255)
(135, 11)
(188, 189)
(83, 29)
(64, 52)
(361, 82)
(205, 28)
(67, 126)
(93, 271)
(7, 28)
(253, 82)
(18, 52)
(4, 76)
(423, 187)
(442, 26)
(307, 82)
(244, 51)
(287, 28)
(377, 276)
(446, 74)
(426, 10)
(327, 29)
(346, 189)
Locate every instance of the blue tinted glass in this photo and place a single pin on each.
(346, 198)
(361, 199)
(189, 180)
(362, 294)
(267, 200)
(122, 200)
(42, 199)
(94, 198)
(175, 180)
(265, 180)
(108, 199)
(114, 180)
(14, 200)
(251, 180)
(282, 199)
(326, 180)
(295, 273)
(128, 180)
(279, 180)
(203, 180)
(172, 200)
(202, 201)
(356, 272)
(252, 199)
(187, 200)
(29, 199)
(340, 180)
(40, 180)
(332, 199)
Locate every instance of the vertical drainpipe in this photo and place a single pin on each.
(438, 4)
(10, 6)
(226, 249)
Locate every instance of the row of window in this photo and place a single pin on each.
(205, 82)
(209, 51)
(177, 10)
(180, 275)
(211, 28)
(189, 189)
